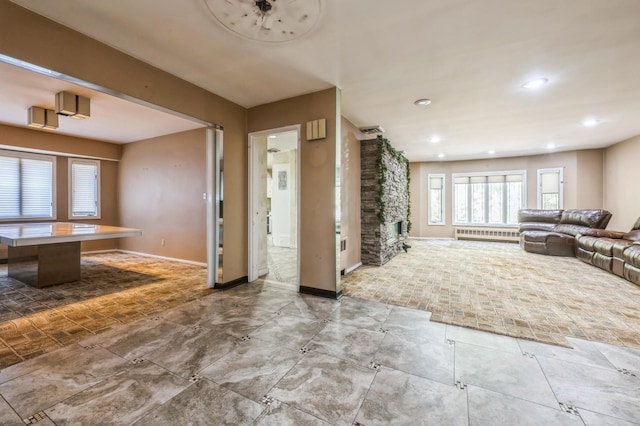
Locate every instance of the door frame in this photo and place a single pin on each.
(252, 243)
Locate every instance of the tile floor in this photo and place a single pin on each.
(261, 355)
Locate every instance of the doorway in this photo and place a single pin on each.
(274, 200)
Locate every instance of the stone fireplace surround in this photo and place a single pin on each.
(380, 240)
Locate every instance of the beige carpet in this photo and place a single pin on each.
(500, 288)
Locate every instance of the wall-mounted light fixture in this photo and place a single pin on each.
(316, 129)
(72, 105)
(42, 118)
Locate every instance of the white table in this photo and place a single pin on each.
(44, 254)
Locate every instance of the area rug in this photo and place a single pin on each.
(116, 288)
(500, 288)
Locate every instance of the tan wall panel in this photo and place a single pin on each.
(161, 185)
(590, 179)
(621, 194)
(350, 195)
(317, 180)
(69, 52)
(419, 185)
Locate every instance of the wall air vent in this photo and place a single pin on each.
(371, 130)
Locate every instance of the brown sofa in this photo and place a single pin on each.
(614, 251)
(553, 232)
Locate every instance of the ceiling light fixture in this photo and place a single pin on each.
(491, 151)
(435, 139)
(535, 84)
(42, 118)
(72, 105)
(422, 102)
(590, 122)
(440, 155)
(551, 146)
(266, 20)
(272, 136)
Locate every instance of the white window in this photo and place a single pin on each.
(550, 188)
(27, 186)
(488, 198)
(436, 199)
(84, 189)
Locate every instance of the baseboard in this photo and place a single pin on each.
(353, 268)
(100, 251)
(232, 283)
(173, 259)
(322, 293)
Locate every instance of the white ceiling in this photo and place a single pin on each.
(470, 57)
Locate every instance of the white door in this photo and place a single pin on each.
(281, 205)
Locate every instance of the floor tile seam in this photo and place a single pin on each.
(557, 407)
(601, 368)
(366, 395)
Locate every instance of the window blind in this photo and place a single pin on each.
(26, 186)
(84, 189)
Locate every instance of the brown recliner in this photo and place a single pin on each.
(613, 251)
(553, 232)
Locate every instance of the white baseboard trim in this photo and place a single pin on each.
(353, 268)
(99, 251)
(173, 259)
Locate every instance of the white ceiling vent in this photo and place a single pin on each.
(371, 130)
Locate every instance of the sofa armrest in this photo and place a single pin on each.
(602, 233)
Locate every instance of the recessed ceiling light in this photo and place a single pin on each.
(435, 139)
(535, 84)
(491, 151)
(590, 122)
(272, 136)
(441, 155)
(422, 102)
(551, 146)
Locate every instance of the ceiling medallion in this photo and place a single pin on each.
(272, 21)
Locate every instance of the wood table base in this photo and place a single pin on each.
(45, 264)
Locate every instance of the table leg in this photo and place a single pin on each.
(45, 264)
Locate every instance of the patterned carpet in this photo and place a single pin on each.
(500, 288)
(116, 288)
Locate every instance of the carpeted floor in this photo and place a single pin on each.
(500, 288)
(116, 288)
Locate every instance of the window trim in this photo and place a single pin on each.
(442, 199)
(54, 186)
(486, 174)
(96, 163)
(560, 171)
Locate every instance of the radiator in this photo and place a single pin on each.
(486, 234)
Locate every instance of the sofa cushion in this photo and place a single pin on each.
(539, 215)
(631, 255)
(592, 218)
(619, 247)
(632, 273)
(585, 242)
(632, 236)
(536, 226)
(570, 229)
(604, 246)
(594, 232)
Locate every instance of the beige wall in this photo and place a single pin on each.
(621, 193)
(64, 147)
(350, 195)
(577, 165)
(66, 51)
(161, 185)
(317, 180)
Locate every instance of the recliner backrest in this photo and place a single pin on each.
(593, 218)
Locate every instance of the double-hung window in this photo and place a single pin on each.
(488, 198)
(550, 188)
(436, 199)
(84, 189)
(27, 186)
